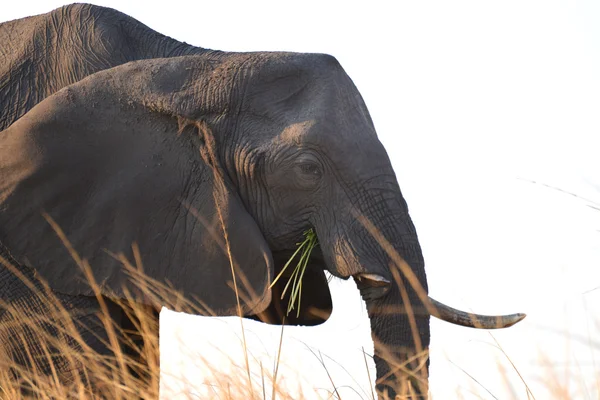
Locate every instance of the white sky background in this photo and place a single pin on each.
(472, 100)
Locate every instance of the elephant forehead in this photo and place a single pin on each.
(342, 142)
(295, 132)
(297, 83)
(353, 148)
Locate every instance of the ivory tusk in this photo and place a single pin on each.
(471, 320)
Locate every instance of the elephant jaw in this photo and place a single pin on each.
(373, 287)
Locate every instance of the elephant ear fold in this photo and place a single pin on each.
(111, 175)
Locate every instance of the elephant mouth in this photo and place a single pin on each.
(373, 287)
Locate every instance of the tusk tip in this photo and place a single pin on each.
(509, 320)
(517, 318)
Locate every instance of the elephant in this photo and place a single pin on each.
(214, 164)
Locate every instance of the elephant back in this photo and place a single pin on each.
(73, 42)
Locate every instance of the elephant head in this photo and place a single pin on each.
(215, 166)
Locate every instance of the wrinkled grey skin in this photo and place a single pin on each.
(277, 142)
(40, 55)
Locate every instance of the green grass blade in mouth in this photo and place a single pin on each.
(295, 280)
(297, 289)
(287, 264)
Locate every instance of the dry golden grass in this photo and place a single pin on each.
(70, 369)
(113, 378)
(73, 370)
(122, 376)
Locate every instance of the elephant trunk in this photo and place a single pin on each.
(378, 246)
(401, 356)
(399, 328)
(380, 249)
(399, 313)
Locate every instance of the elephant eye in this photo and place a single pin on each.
(310, 169)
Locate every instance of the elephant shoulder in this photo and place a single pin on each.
(49, 112)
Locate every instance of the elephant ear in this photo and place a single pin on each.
(111, 173)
